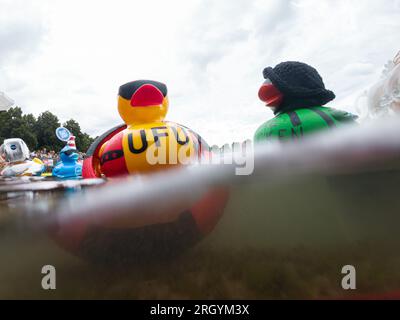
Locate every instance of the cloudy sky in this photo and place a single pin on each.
(70, 57)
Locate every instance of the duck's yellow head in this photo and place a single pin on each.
(142, 101)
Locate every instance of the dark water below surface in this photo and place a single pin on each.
(285, 240)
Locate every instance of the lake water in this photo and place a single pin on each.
(287, 239)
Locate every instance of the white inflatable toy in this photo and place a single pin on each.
(383, 98)
(15, 152)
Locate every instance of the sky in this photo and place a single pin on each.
(70, 57)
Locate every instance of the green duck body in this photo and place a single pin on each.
(294, 124)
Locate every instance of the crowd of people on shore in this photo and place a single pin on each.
(49, 157)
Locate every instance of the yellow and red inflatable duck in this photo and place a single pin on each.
(127, 150)
(146, 143)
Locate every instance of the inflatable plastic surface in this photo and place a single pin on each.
(15, 152)
(383, 98)
(68, 167)
(146, 143)
(124, 150)
(296, 93)
(297, 123)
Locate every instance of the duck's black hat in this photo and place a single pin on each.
(300, 84)
(127, 90)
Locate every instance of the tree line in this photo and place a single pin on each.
(39, 133)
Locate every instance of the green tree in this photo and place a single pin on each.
(30, 121)
(86, 142)
(25, 134)
(83, 140)
(13, 124)
(46, 126)
(28, 131)
(39, 133)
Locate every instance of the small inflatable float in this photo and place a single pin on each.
(296, 93)
(68, 167)
(15, 153)
(124, 150)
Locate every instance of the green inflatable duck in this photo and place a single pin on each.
(296, 93)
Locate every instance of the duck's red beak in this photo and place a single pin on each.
(269, 94)
(147, 95)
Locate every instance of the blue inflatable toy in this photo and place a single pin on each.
(68, 167)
